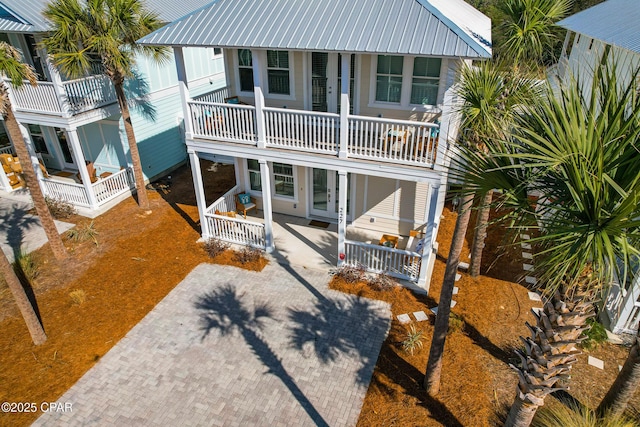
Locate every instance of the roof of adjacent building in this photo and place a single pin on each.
(615, 22)
(408, 27)
(25, 16)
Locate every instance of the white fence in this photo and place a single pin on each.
(6, 150)
(217, 96)
(302, 130)
(230, 122)
(226, 203)
(393, 140)
(381, 259)
(67, 191)
(112, 186)
(89, 92)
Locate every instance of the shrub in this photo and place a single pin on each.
(247, 255)
(350, 273)
(456, 323)
(77, 296)
(84, 232)
(215, 247)
(60, 209)
(382, 282)
(25, 266)
(596, 335)
(570, 415)
(413, 341)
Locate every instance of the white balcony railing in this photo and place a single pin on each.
(217, 96)
(70, 192)
(302, 130)
(226, 203)
(227, 122)
(6, 150)
(78, 95)
(109, 188)
(380, 259)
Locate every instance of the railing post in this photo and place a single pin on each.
(265, 177)
(183, 86)
(200, 199)
(78, 157)
(257, 61)
(426, 265)
(58, 88)
(342, 215)
(344, 106)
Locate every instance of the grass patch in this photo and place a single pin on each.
(77, 296)
(83, 232)
(25, 266)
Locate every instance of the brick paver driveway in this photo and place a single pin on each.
(237, 348)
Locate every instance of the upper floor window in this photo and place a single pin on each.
(217, 51)
(389, 78)
(426, 79)
(278, 71)
(245, 70)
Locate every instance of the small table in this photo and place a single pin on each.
(389, 241)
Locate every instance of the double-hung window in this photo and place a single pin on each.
(283, 180)
(38, 138)
(278, 72)
(426, 79)
(255, 182)
(245, 70)
(389, 78)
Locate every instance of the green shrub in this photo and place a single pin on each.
(413, 341)
(570, 415)
(25, 266)
(84, 232)
(596, 335)
(456, 323)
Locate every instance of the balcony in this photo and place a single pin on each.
(73, 97)
(370, 138)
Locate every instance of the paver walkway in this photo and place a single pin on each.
(237, 348)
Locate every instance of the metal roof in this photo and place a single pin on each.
(25, 16)
(408, 27)
(615, 22)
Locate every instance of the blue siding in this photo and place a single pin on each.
(101, 144)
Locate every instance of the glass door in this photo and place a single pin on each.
(66, 150)
(324, 81)
(324, 193)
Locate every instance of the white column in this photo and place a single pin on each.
(78, 157)
(265, 178)
(26, 136)
(58, 87)
(199, 188)
(4, 181)
(257, 59)
(344, 105)
(342, 213)
(183, 87)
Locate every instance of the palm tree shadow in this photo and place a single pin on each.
(224, 310)
(137, 89)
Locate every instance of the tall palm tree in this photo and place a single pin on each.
(26, 309)
(11, 65)
(107, 29)
(580, 155)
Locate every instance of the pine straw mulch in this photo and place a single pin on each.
(477, 383)
(140, 257)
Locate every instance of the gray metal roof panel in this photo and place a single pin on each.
(616, 22)
(419, 27)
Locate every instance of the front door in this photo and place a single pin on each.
(324, 81)
(324, 193)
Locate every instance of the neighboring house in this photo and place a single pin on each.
(609, 28)
(339, 111)
(74, 127)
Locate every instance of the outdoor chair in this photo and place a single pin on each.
(92, 172)
(245, 203)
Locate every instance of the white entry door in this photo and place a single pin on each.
(324, 193)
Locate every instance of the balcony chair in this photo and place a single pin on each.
(92, 172)
(249, 203)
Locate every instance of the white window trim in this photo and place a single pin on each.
(217, 56)
(265, 79)
(407, 79)
(274, 196)
(236, 72)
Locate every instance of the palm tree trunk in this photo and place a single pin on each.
(143, 200)
(625, 385)
(434, 364)
(480, 234)
(19, 295)
(49, 226)
(522, 412)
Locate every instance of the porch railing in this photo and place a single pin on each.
(89, 92)
(6, 150)
(42, 97)
(393, 140)
(302, 130)
(217, 96)
(226, 202)
(108, 188)
(67, 191)
(228, 122)
(380, 259)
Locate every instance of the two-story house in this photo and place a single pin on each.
(335, 111)
(73, 126)
(606, 31)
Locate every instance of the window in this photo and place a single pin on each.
(245, 69)
(278, 71)
(255, 181)
(283, 180)
(217, 51)
(38, 139)
(426, 78)
(389, 78)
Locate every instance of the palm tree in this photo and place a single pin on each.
(529, 29)
(107, 29)
(11, 65)
(26, 309)
(580, 155)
